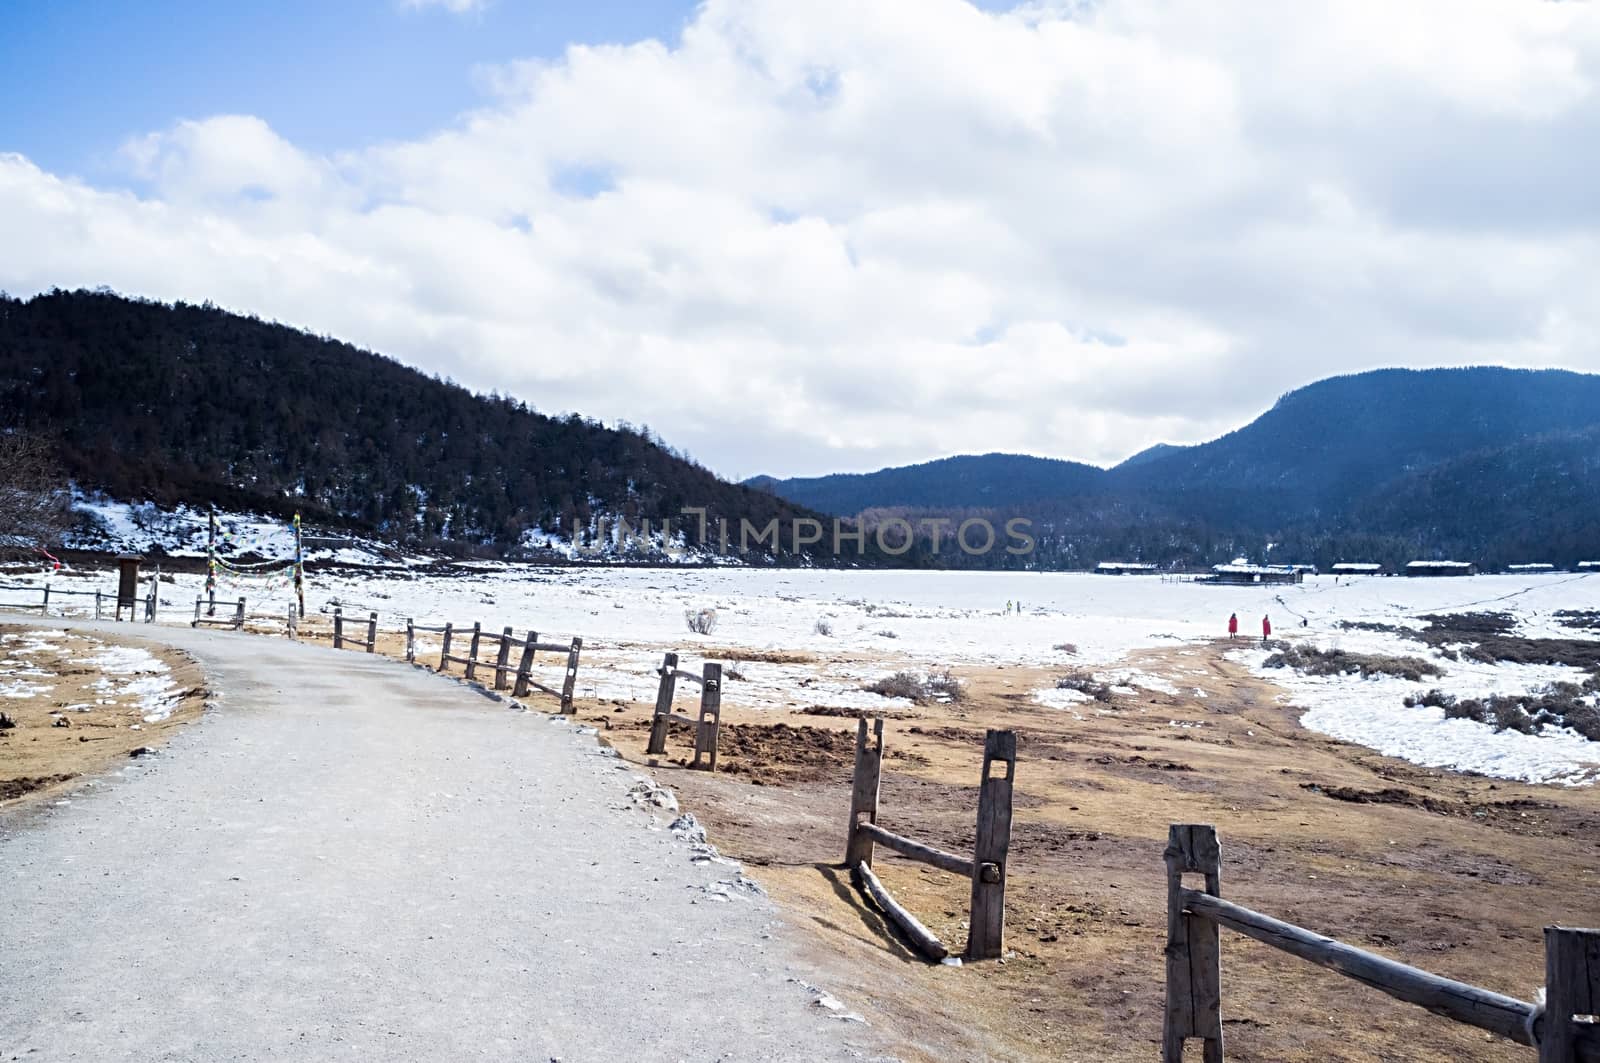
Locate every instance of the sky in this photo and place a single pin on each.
(833, 236)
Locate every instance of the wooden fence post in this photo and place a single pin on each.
(97, 605)
(444, 652)
(864, 791)
(199, 604)
(500, 660)
(290, 632)
(571, 682)
(1572, 987)
(44, 610)
(338, 627)
(661, 722)
(372, 632)
(411, 641)
(472, 654)
(987, 919)
(709, 726)
(238, 617)
(525, 666)
(1194, 950)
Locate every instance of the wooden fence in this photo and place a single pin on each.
(986, 868)
(707, 726)
(501, 666)
(236, 621)
(102, 600)
(340, 638)
(1563, 1029)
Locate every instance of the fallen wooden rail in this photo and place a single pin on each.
(986, 869)
(1194, 969)
(235, 621)
(370, 643)
(503, 670)
(707, 725)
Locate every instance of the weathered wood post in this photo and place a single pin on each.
(525, 666)
(472, 654)
(661, 723)
(97, 605)
(199, 604)
(1194, 950)
(864, 791)
(238, 616)
(372, 632)
(1571, 987)
(500, 660)
(290, 633)
(571, 681)
(338, 627)
(986, 936)
(444, 652)
(411, 641)
(44, 610)
(709, 726)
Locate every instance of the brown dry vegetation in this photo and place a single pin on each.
(39, 759)
(1453, 873)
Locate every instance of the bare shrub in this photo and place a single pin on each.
(823, 627)
(1308, 660)
(701, 621)
(1556, 704)
(1085, 682)
(908, 685)
(1433, 699)
(1069, 648)
(944, 686)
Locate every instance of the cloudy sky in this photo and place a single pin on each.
(834, 235)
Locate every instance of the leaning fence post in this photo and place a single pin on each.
(500, 660)
(661, 722)
(1572, 988)
(525, 666)
(372, 632)
(411, 641)
(709, 726)
(864, 791)
(571, 682)
(338, 628)
(472, 654)
(987, 922)
(444, 651)
(1194, 951)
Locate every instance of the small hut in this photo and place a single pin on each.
(1538, 566)
(1441, 568)
(1125, 568)
(1243, 574)
(1357, 568)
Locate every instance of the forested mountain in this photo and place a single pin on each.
(949, 483)
(1495, 465)
(190, 403)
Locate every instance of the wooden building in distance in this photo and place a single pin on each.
(1125, 568)
(1441, 568)
(1357, 568)
(1244, 574)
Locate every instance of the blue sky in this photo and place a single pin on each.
(81, 76)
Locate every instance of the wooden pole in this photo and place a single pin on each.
(411, 641)
(569, 684)
(199, 604)
(500, 660)
(864, 791)
(211, 561)
(525, 666)
(44, 610)
(908, 924)
(97, 605)
(709, 727)
(472, 654)
(372, 632)
(1194, 950)
(986, 938)
(661, 722)
(238, 617)
(338, 627)
(444, 651)
(1571, 987)
(290, 633)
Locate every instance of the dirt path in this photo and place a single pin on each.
(351, 858)
(1452, 873)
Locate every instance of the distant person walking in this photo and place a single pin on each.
(1233, 626)
(1266, 629)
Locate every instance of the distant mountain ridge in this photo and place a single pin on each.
(1499, 464)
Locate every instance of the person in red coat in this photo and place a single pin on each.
(1266, 629)
(1233, 626)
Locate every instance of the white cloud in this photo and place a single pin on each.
(455, 7)
(855, 232)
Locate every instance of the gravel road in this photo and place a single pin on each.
(354, 859)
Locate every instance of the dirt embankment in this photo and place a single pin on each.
(71, 713)
(1453, 873)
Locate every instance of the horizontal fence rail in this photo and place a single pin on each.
(707, 725)
(504, 671)
(1563, 1029)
